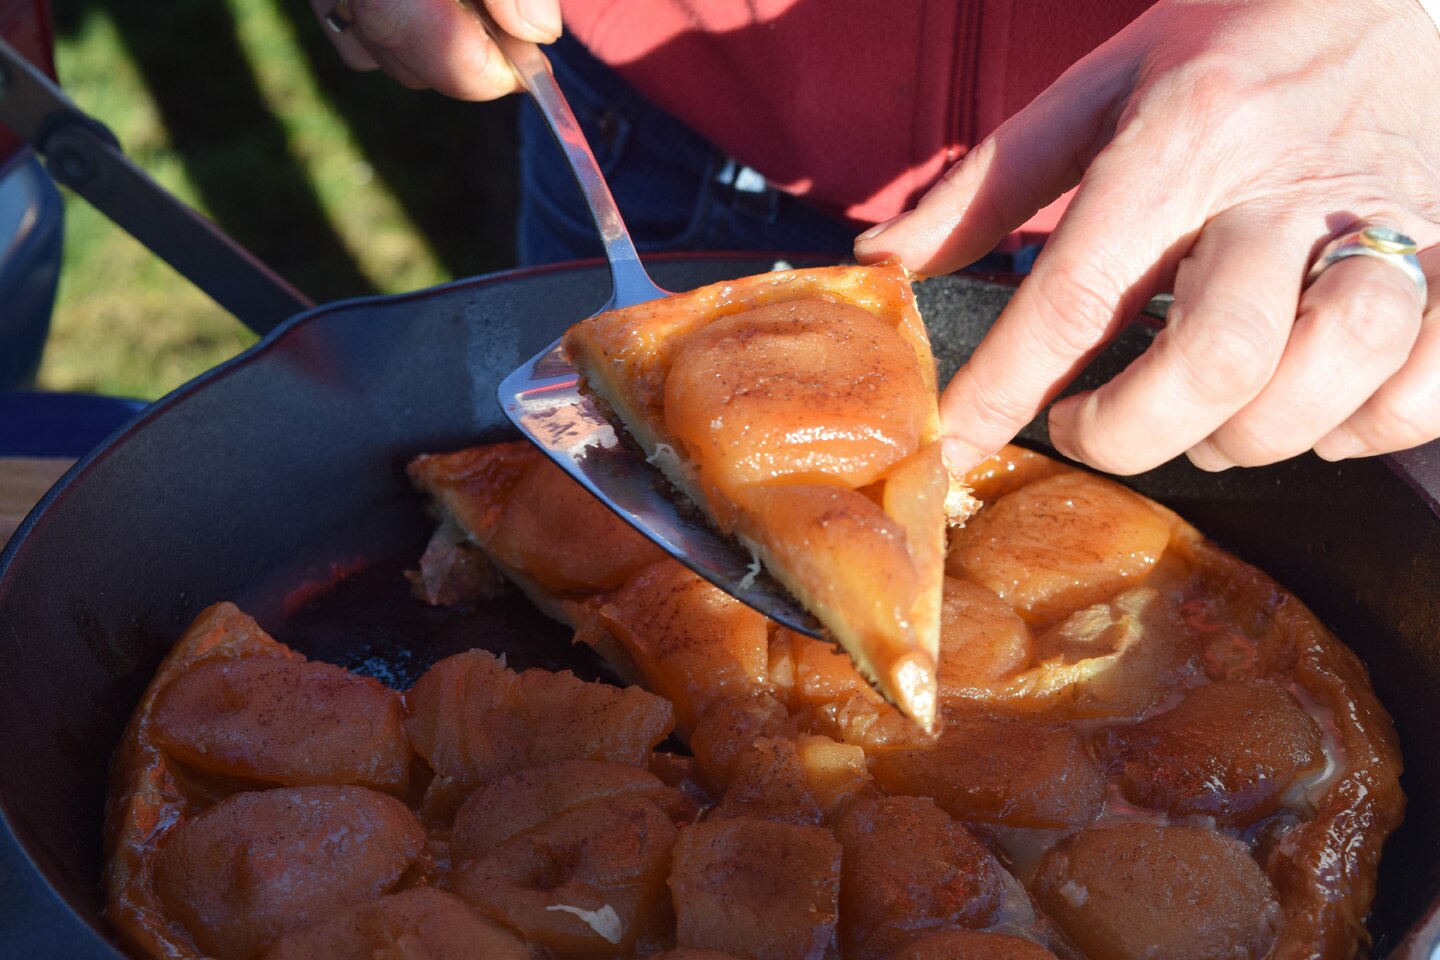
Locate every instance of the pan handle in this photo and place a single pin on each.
(81, 153)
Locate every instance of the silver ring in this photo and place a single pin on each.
(1384, 244)
(338, 19)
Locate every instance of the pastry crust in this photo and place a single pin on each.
(798, 410)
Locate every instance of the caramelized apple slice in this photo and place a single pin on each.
(540, 527)
(1136, 891)
(971, 945)
(589, 882)
(525, 800)
(861, 581)
(728, 729)
(692, 643)
(421, 923)
(799, 781)
(1059, 544)
(257, 865)
(982, 640)
(282, 721)
(1010, 469)
(1115, 659)
(769, 784)
(786, 406)
(756, 888)
(147, 795)
(800, 391)
(999, 770)
(1228, 750)
(908, 869)
(473, 720)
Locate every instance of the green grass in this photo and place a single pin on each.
(347, 184)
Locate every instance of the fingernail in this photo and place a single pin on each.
(960, 457)
(1207, 456)
(1341, 444)
(880, 228)
(543, 15)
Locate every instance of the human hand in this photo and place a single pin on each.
(1217, 146)
(437, 43)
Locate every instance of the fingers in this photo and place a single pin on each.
(535, 20)
(1235, 301)
(1030, 160)
(440, 43)
(1405, 411)
(1101, 265)
(1357, 326)
(351, 50)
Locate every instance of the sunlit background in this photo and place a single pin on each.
(347, 184)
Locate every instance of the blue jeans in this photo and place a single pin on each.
(675, 189)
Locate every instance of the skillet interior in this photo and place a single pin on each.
(278, 476)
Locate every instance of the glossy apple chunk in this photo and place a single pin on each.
(1228, 750)
(257, 865)
(799, 781)
(1009, 469)
(909, 868)
(589, 882)
(527, 799)
(1135, 891)
(756, 888)
(529, 515)
(1118, 658)
(418, 924)
(693, 643)
(971, 945)
(473, 719)
(559, 534)
(804, 391)
(982, 640)
(810, 674)
(1059, 544)
(769, 783)
(999, 770)
(284, 721)
(852, 563)
(728, 729)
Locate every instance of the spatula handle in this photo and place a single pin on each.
(631, 283)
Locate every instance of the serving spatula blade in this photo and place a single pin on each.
(544, 400)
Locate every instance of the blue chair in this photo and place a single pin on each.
(31, 219)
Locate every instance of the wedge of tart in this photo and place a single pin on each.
(798, 410)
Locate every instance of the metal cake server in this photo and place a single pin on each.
(543, 396)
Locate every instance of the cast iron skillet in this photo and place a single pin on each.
(276, 481)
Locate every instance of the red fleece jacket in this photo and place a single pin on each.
(857, 106)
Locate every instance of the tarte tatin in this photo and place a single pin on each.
(1144, 748)
(798, 410)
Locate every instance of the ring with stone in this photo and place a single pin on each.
(338, 19)
(1382, 243)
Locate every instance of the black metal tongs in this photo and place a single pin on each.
(81, 153)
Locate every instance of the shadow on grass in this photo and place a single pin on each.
(450, 165)
(453, 166)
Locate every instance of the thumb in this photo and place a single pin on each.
(535, 20)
